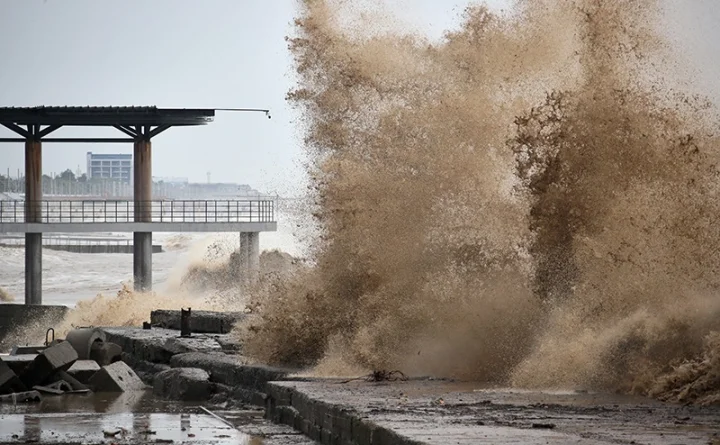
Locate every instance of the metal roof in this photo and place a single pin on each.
(105, 116)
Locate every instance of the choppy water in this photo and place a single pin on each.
(72, 277)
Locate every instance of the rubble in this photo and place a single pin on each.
(116, 377)
(59, 357)
(189, 384)
(21, 397)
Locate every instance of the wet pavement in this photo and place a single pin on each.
(134, 418)
(437, 412)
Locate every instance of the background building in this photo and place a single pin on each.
(109, 166)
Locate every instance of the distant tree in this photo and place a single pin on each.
(82, 178)
(68, 175)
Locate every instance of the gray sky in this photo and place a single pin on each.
(213, 53)
(169, 53)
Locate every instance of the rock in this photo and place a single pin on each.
(9, 381)
(82, 370)
(21, 397)
(190, 384)
(59, 357)
(105, 353)
(83, 340)
(208, 322)
(116, 377)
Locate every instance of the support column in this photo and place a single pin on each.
(142, 241)
(249, 256)
(33, 214)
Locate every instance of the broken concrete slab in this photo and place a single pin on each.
(82, 370)
(63, 376)
(116, 377)
(59, 357)
(9, 381)
(58, 388)
(105, 353)
(21, 397)
(145, 370)
(189, 384)
(207, 322)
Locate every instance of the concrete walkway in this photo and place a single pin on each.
(436, 412)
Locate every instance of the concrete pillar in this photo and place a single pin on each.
(249, 256)
(142, 241)
(33, 214)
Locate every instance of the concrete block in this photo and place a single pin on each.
(116, 377)
(82, 370)
(18, 363)
(105, 353)
(208, 322)
(21, 397)
(9, 381)
(189, 384)
(144, 369)
(59, 357)
(83, 340)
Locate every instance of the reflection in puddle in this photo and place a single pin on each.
(112, 418)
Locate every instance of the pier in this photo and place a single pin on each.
(142, 215)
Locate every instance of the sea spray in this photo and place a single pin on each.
(528, 202)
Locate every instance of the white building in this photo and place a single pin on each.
(110, 166)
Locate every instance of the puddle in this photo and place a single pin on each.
(117, 419)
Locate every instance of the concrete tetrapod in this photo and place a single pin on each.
(116, 377)
(59, 357)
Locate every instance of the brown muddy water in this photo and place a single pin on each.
(104, 418)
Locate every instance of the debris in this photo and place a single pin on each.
(110, 434)
(21, 397)
(116, 377)
(83, 370)
(72, 382)
(59, 357)
(544, 426)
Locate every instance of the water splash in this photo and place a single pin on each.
(529, 201)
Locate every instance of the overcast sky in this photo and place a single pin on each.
(212, 53)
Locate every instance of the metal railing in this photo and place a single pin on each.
(54, 241)
(90, 211)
